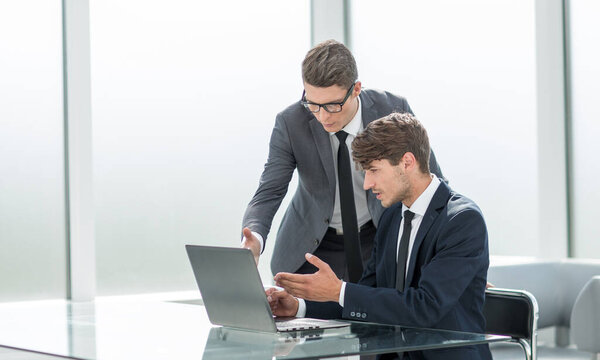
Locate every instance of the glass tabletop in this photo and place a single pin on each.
(151, 329)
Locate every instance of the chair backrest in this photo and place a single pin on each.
(575, 275)
(534, 277)
(585, 319)
(513, 313)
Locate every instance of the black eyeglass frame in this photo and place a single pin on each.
(324, 106)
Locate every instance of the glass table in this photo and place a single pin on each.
(146, 328)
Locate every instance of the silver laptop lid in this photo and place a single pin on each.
(231, 288)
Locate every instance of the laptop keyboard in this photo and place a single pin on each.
(305, 324)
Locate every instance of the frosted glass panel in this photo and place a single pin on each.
(32, 188)
(467, 69)
(585, 81)
(184, 97)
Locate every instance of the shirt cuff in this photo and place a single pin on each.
(301, 308)
(261, 240)
(342, 293)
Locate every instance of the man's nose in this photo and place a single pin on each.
(367, 184)
(322, 115)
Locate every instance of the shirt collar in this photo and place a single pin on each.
(354, 126)
(422, 203)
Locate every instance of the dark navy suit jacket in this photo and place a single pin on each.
(446, 278)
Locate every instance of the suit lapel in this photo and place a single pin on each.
(391, 252)
(323, 143)
(369, 112)
(439, 201)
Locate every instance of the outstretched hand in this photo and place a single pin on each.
(320, 286)
(251, 242)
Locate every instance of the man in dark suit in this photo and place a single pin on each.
(331, 219)
(429, 263)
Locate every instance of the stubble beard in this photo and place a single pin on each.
(404, 190)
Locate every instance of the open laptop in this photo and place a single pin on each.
(233, 293)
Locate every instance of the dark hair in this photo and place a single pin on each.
(390, 138)
(329, 63)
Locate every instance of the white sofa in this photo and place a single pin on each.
(568, 297)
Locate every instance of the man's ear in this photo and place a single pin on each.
(409, 162)
(357, 89)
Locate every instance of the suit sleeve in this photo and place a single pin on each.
(274, 181)
(461, 252)
(323, 310)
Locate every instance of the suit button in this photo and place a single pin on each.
(352, 313)
(326, 220)
(364, 315)
(316, 241)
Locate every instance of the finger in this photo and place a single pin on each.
(293, 289)
(273, 300)
(291, 286)
(278, 295)
(248, 233)
(292, 278)
(273, 306)
(284, 283)
(313, 259)
(270, 290)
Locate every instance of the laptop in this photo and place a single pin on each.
(233, 293)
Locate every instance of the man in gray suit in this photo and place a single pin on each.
(330, 214)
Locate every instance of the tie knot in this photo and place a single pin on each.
(341, 135)
(408, 215)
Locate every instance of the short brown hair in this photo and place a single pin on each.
(390, 138)
(329, 63)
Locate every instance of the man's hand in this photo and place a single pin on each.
(282, 303)
(320, 286)
(251, 242)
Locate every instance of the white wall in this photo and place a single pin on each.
(184, 97)
(467, 68)
(585, 80)
(32, 188)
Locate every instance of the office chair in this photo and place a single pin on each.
(513, 313)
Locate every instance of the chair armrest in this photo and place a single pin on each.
(585, 317)
(513, 313)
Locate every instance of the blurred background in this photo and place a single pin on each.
(101, 188)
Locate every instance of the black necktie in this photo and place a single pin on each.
(349, 222)
(403, 250)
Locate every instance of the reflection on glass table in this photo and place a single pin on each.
(359, 338)
(154, 328)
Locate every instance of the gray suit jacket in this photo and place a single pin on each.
(299, 142)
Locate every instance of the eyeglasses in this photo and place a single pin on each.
(329, 107)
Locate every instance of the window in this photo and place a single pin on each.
(467, 68)
(184, 97)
